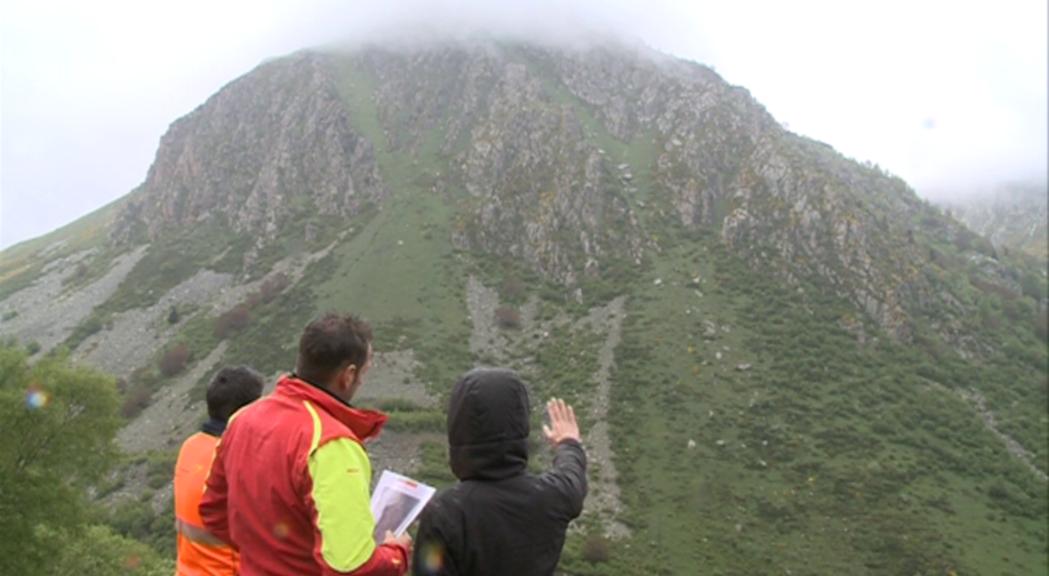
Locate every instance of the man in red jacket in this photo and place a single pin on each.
(289, 487)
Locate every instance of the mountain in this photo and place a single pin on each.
(785, 361)
(1012, 217)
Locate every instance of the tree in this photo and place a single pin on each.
(57, 424)
(101, 552)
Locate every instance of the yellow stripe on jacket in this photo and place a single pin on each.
(341, 475)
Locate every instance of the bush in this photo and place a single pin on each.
(596, 549)
(92, 325)
(508, 318)
(159, 466)
(174, 360)
(1031, 286)
(273, 286)
(416, 421)
(989, 287)
(136, 400)
(99, 551)
(233, 321)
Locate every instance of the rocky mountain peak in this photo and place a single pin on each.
(275, 141)
(570, 160)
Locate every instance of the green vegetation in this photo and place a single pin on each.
(400, 269)
(758, 427)
(567, 361)
(416, 421)
(434, 469)
(57, 425)
(823, 456)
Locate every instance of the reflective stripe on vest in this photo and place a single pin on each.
(197, 534)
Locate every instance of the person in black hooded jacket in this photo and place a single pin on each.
(500, 520)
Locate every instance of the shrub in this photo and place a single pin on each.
(273, 286)
(990, 287)
(158, 468)
(233, 321)
(596, 549)
(136, 400)
(174, 360)
(87, 328)
(507, 317)
(1031, 286)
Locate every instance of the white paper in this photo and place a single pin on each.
(397, 502)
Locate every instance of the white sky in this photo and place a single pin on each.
(949, 95)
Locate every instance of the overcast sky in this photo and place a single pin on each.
(949, 95)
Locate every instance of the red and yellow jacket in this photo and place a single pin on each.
(199, 553)
(289, 487)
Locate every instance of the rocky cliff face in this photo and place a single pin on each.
(565, 160)
(711, 292)
(1012, 217)
(532, 184)
(269, 143)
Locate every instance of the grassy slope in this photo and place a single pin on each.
(21, 264)
(822, 458)
(401, 269)
(395, 266)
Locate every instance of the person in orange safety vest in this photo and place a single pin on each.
(199, 552)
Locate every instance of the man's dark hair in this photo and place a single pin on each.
(331, 343)
(231, 389)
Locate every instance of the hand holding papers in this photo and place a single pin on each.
(397, 502)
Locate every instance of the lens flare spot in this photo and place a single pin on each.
(281, 530)
(35, 398)
(432, 558)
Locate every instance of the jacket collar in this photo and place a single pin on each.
(213, 427)
(365, 424)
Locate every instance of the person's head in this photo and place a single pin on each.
(335, 352)
(488, 425)
(231, 389)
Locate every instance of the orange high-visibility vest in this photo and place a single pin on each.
(199, 553)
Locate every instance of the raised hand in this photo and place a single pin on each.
(563, 425)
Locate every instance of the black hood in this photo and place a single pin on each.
(488, 425)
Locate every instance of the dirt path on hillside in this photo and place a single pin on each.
(516, 349)
(604, 498)
(1015, 448)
